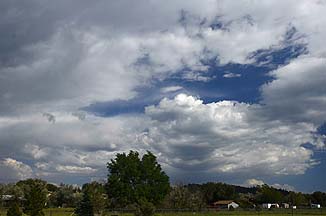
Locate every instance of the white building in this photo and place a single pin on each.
(270, 205)
(226, 204)
(315, 205)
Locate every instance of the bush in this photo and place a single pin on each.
(145, 208)
(14, 210)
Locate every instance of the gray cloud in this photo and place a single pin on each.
(56, 57)
(298, 92)
(227, 137)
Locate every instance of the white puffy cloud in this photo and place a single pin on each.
(227, 137)
(90, 57)
(253, 182)
(257, 182)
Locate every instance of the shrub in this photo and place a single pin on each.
(14, 210)
(145, 208)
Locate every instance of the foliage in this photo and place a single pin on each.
(318, 197)
(96, 192)
(35, 195)
(144, 208)
(218, 191)
(132, 179)
(14, 210)
(84, 207)
(51, 187)
(297, 199)
(64, 196)
(268, 194)
(181, 197)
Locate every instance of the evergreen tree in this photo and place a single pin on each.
(96, 193)
(84, 207)
(14, 210)
(35, 199)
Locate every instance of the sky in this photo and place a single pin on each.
(227, 91)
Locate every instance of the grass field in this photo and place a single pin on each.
(276, 212)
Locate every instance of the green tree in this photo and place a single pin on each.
(319, 197)
(96, 192)
(132, 179)
(297, 199)
(85, 207)
(35, 196)
(268, 194)
(14, 210)
(181, 197)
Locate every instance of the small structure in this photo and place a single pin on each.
(270, 205)
(312, 205)
(6, 199)
(285, 205)
(225, 204)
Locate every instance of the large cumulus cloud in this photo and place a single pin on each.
(227, 136)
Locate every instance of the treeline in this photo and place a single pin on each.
(139, 184)
(196, 196)
(190, 196)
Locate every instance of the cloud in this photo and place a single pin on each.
(82, 56)
(50, 117)
(257, 182)
(253, 182)
(57, 58)
(70, 145)
(75, 169)
(227, 137)
(284, 187)
(231, 75)
(298, 92)
(13, 170)
(171, 89)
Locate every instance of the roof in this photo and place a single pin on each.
(7, 197)
(223, 202)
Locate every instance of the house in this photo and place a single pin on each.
(315, 205)
(225, 204)
(7, 199)
(270, 205)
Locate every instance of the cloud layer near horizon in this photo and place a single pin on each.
(56, 59)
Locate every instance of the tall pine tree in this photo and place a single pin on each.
(35, 199)
(84, 207)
